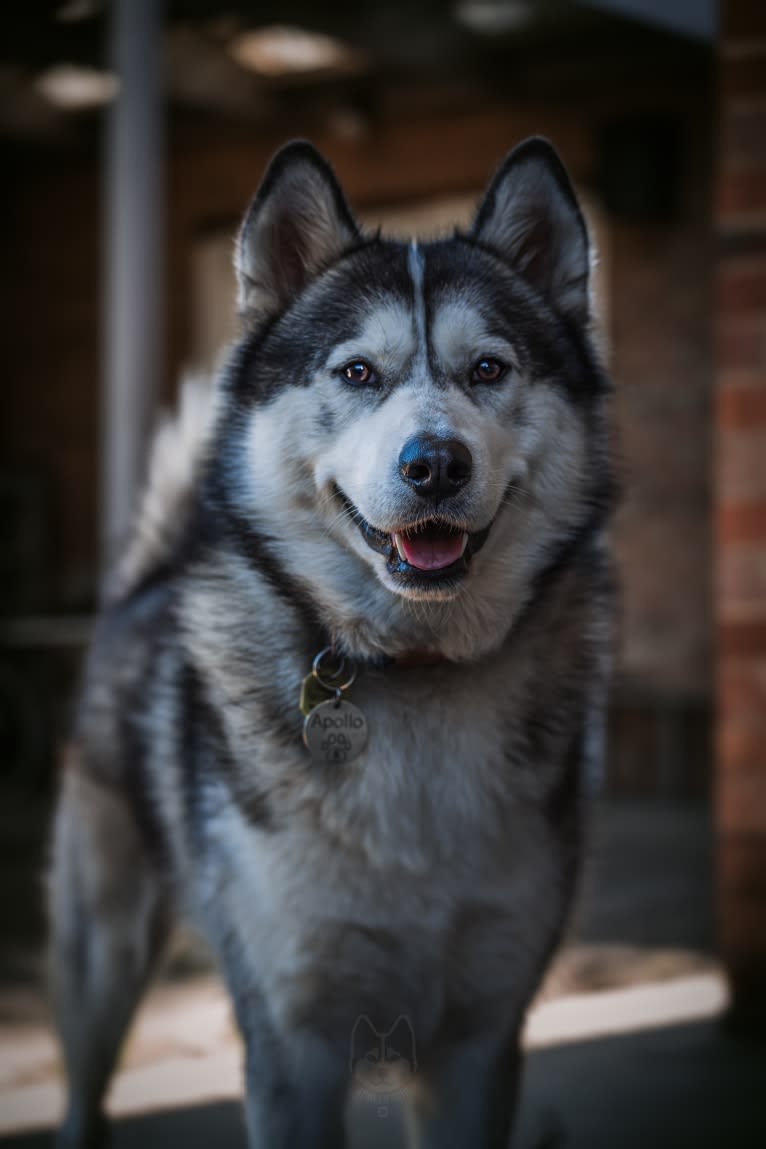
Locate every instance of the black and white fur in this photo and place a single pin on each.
(430, 878)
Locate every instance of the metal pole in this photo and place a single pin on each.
(133, 190)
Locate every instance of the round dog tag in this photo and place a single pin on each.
(335, 732)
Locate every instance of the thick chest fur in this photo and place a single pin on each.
(427, 875)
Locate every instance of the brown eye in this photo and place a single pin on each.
(357, 371)
(488, 371)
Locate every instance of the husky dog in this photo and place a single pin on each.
(402, 479)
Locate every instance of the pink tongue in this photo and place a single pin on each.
(432, 550)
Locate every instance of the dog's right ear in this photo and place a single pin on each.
(298, 223)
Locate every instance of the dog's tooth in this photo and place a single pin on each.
(465, 542)
(400, 548)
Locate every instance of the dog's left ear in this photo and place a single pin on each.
(298, 223)
(531, 217)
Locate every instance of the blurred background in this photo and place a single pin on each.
(132, 135)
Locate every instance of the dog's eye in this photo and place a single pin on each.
(488, 370)
(357, 371)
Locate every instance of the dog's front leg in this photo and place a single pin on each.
(470, 1097)
(296, 1092)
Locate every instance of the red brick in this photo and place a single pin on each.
(742, 406)
(741, 793)
(740, 514)
(741, 342)
(741, 744)
(736, 524)
(741, 465)
(740, 685)
(741, 580)
(741, 638)
(742, 284)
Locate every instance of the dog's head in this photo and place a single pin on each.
(413, 421)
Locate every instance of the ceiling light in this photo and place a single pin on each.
(72, 88)
(280, 50)
(494, 16)
(74, 10)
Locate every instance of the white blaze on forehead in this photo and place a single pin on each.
(460, 334)
(386, 336)
(416, 264)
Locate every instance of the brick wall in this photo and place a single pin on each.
(660, 279)
(740, 520)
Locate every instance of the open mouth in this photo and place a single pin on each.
(431, 551)
(431, 547)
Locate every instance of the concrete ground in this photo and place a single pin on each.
(685, 1086)
(626, 1045)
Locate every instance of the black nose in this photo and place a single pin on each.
(435, 468)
